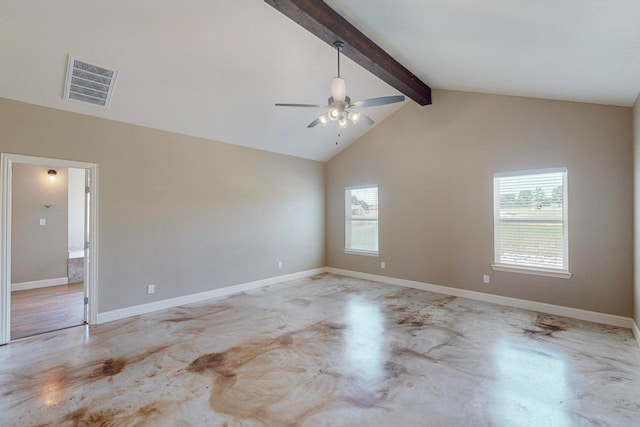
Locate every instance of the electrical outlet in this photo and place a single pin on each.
(151, 289)
(280, 264)
(383, 265)
(486, 279)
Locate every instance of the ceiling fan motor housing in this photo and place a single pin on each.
(338, 89)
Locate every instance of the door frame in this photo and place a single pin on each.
(91, 265)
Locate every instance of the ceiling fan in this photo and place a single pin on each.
(341, 109)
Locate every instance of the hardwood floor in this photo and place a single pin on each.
(36, 311)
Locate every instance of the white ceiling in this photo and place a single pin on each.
(214, 68)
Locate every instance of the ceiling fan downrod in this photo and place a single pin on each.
(338, 45)
(338, 88)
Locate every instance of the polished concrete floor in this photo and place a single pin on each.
(326, 351)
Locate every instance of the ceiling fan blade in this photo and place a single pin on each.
(314, 123)
(374, 102)
(302, 105)
(366, 119)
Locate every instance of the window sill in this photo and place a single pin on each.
(534, 271)
(358, 252)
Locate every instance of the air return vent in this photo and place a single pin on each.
(89, 83)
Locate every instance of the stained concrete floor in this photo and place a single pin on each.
(327, 350)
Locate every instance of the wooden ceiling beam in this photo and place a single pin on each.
(321, 20)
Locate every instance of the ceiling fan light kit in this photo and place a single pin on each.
(340, 105)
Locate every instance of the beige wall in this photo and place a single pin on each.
(434, 168)
(636, 170)
(38, 252)
(192, 215)
(184, 213)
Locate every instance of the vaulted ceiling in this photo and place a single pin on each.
(215, 68)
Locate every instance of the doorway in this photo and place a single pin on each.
(48, 237)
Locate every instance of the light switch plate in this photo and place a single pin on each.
(43, 221)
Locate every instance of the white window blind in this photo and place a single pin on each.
(530, 211)
(361, 224)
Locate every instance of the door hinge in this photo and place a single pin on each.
(86, 245)
(86, 300)
(87, 189)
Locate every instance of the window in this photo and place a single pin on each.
(530, 215)
(361, 223)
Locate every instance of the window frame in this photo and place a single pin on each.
(563, 272)
(348, 220)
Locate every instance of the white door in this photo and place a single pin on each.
(87, 241)
(90, 231)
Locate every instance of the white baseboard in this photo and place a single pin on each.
(23, 286)
(122, 313)
(636, 332)
(574, 313)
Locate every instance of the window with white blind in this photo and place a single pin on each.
(530, 216)
(361, 220)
